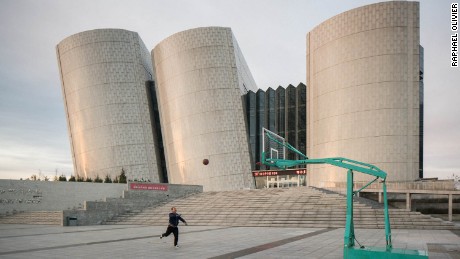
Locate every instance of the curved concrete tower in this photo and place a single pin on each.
(103, 74)
(201, 75)
(363, 91)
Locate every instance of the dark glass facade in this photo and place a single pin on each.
(421, 93)
(157, 135)
(282, 111)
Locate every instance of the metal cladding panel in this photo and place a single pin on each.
(103, 74)
(363, 91)
(200, 75)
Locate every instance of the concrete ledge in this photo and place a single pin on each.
(26, 195)
(439, 185)
(97, 212)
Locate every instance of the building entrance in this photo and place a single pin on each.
(280, 178)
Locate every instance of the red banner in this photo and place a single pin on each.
(148, 186)
(279, 172)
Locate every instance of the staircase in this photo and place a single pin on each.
(34, 218)
(294, 207)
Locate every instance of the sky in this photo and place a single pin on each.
(270, 33)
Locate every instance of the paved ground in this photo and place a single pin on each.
(118, 241)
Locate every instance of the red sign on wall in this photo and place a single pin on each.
(148, 187)
(280, 172)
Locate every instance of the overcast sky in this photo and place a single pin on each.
(271, 35)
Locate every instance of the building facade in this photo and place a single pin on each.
(282, 111)
(201, 76)
(103, 74)
(364, 91)
(160, 115)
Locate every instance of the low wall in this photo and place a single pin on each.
(445, 185)
(429, 197)
(424, 203)
(168, 191)
(26, 195)
(96, 212)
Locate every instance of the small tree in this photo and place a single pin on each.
(107, 179)
(72, 178)
(80, 178)
(98, 179)
(62, 178)
(122, 178)
(116, 179)
(56, 177)
(89, 180)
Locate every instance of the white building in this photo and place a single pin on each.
(103, 74)
(363, 98)
(201, 76)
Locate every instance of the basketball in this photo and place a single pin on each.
(205, 161)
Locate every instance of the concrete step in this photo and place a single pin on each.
(295, 207)
(299, 219)
(34, 217)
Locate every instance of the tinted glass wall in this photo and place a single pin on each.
(421, 92)
(282, 111)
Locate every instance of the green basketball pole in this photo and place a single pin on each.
(349, 250)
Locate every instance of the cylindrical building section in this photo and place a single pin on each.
(103, 74)
(363, 91)
(201, 76)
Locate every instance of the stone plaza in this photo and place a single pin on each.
(136, 241)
